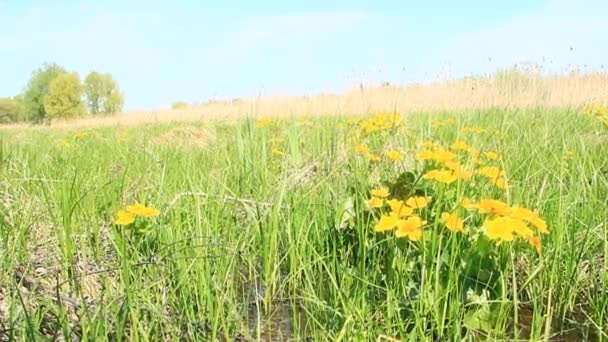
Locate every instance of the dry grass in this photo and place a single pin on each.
(511, 88)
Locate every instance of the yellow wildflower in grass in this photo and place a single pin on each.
(393, 155)
(459, 171)
(474, 154)
(264, 122)
(534, 241)
(418, 202)
(425, 155)
(491, 155)
(530, 216)
(362, 148)
(141, 210)
(467, 203)
(441, 176)
(276, 140)
(124, 218)
(568, 155)
(375, 202)
(442, 155)
(453, 222)
(399, 208)
(500, 229)
(501, 183)
(380, 192)
(386, 223)
(428, 144)
(496, 207)
(371, 157)
(459, 145)
(491, 172)
(410, 228)
(276, 152)
(471, 129)
(463, 174)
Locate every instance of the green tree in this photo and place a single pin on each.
(9, 110)
(102, 93)
(64, 98)
(37, 89)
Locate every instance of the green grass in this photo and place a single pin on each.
(257, 246)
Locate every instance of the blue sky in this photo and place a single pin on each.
(163, 51)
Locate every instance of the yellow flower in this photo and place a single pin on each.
(428, 144)
(371, 157)
(263, 122)
(418, 202)
(530, 216)
(500, 228)
(410, 228)
(501, 183)
(442, 155)
(399, 208)
(453, 222)
(386, 222)
(362, 148)
(491, 206)
(124, 218)
(276, 152)
(441, 176)
(535, 242)
(491, 155)
(467, 203)
(459, 145)
(375, 202)
(491, 172)
(380, 192)
(141, 210)
(393, 155)
(425, 155)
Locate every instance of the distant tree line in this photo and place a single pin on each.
(55, 93)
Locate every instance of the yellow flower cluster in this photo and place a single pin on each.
(366, 152)
(507, 223)
(380, 122)
(264, 122)
(452, 169)
(127, 216)
(598, 112)
(401, 216)
(442, 123)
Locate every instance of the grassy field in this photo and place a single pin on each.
(309, 229)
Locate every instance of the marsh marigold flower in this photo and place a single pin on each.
(380, 192)
(362, 148)
(124, 218)
(491, 155)
(467, 203)
(386, 222)
(491, 206)
(410, 228)
(399, 208)
(418, 202)
(453, 222)
(375, 202)
(393, 155)
(441, 176)
(499, 229)
(459, 145)
(142, 210)
(371, 157)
